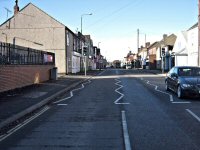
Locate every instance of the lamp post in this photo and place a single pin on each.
(81, 35)
(98, 44)
(82, 20)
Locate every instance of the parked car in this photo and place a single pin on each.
(184, 80)
(128, 66)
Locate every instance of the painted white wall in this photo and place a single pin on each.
(158, 54)
(76, 62)
(181, 43)
(187, 43)
(180, 48)
(181, 60)
(193, 47)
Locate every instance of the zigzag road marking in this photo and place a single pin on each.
(71, 92)
(170, 96)
(117, 91)
(156, 89)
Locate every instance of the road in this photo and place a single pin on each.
(117, 110)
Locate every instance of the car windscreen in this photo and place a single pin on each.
(189, 71)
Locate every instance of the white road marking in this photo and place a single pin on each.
(122, 95)
(170, 96)
(101, 73)
(156, 88)
(62, 104)
(71, 92)
(125, 132)
(13, 130)
(193, 114)
(181, 102)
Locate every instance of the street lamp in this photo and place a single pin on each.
(81, 35)
(82, 19)
(98, 44)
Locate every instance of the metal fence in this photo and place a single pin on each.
(17, 55)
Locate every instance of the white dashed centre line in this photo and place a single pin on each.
(125, 132)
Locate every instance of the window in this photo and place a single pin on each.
(67, 38)
(189, 72)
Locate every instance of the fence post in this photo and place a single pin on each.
(28, 56)
(9, 54)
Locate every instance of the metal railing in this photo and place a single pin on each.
(17, 55)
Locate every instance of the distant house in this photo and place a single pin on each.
(32, 27)
(116, 64)
(143, 55)
(166, 47)
(186, 47)
(90, 52)
(152, 52)
(130, 59)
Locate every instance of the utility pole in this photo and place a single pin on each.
(199, 33)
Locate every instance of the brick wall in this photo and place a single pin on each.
(17, 76)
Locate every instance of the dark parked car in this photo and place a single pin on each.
(184, 80)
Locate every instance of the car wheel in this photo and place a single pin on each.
(179, 92)
(166, 86)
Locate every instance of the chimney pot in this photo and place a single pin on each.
(16, 7)
(164, 38)
(147, 44)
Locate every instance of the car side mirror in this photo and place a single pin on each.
(174, 75)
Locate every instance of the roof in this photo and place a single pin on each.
(194, 26)
(170, 40)
(41, 11)
(155, 44)
(184, 33)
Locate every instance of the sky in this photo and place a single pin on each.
(113, 24)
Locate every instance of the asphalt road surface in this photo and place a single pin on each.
(117, 110)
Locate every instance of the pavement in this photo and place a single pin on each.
(157, 72)
(19, 102)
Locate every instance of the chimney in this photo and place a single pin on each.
(147, 44)
(16, 7)
(164, 38)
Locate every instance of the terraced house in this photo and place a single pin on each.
(34, 28)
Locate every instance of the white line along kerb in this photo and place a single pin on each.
(122, 95)
(71, 92)
(170, 96)
(156, 88)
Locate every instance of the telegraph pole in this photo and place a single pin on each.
(199, 33)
